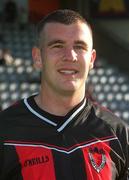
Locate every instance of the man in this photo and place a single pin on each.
(59, 134)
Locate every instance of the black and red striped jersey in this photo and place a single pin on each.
(88, 143)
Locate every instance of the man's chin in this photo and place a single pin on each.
(69, 91)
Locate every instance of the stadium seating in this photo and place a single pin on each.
(111, 88)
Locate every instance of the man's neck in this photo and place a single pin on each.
(56, 105)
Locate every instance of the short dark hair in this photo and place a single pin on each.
(64, 16)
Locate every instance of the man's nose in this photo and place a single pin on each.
(70, 55)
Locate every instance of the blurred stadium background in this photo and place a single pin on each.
(109, 80)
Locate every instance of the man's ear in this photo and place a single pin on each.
(93, 57)
(36, 55)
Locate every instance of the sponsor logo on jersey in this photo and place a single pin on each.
(36, 161)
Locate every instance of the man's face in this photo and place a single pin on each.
(66, 57)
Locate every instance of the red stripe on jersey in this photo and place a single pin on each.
(36, 163)
(97, 158)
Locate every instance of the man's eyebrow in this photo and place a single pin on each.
(81, 43)
(55, 42)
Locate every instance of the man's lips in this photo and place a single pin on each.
(68, 71)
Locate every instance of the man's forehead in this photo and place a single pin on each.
(51, 26)
(78, 31)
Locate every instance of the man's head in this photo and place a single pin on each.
(63, 16)
(64, 52)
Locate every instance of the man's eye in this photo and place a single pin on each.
(57, 46)
(79, 47)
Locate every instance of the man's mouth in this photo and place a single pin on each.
(68, 72)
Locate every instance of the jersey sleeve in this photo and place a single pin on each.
(124, 139)
(1, 157)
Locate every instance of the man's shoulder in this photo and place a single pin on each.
(108, 117)
(12, 111)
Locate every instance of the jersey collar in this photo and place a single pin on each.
(60, 122)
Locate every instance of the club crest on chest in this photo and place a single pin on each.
(97, 158)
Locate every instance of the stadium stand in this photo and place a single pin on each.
(21, 79)
(111, 88)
